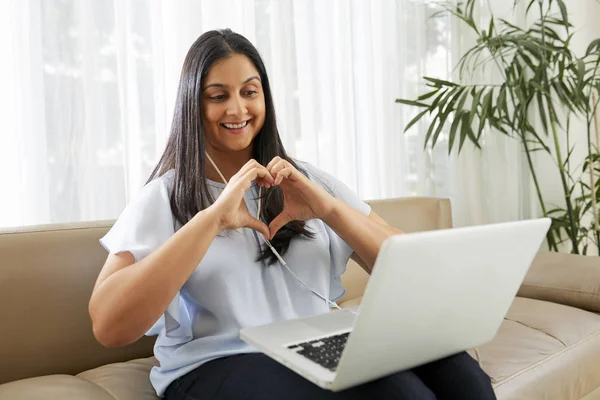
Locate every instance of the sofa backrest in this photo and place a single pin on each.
(47, 274)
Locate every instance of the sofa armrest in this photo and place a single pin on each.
(567, 279)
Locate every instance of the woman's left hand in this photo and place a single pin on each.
(303, 199)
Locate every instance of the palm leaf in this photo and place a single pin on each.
(415, 120)
(542, 110)
(439, 82)
(563, 12)
(412, 103)
(453, 129)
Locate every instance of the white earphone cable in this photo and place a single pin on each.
(216, 168)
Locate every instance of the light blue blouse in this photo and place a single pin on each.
(230, 290)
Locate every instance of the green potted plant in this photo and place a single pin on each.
(542, 80)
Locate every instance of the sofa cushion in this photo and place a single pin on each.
(119, 381)
(545, 351)
(65, 387)
(595, 395)
(126, 380)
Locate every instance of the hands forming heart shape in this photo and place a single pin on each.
(303, 199)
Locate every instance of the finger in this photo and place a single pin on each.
(258, 173)
(252, 163)
(276, 168)
(281, 164)
(258, 226)
(267, 176)
(250, 176)
(278, 222)
(264, 183)
(283, 174)
(243, 183)
(274, 161)
(263, 175)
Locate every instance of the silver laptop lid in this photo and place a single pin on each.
(433, 294)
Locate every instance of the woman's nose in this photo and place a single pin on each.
(236, 106)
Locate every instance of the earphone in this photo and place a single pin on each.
(275, 252)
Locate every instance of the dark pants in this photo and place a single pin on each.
(258, 377)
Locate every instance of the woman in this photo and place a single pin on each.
(187, 258)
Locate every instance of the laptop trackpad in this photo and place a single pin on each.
(334, 321)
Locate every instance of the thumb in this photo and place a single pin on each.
(258, 226)
(277, 223)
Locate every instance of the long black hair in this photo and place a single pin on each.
(185, 151)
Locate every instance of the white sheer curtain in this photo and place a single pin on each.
(491, 184)
(88, 90)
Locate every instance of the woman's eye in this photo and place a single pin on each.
(218, 97)
(250, 93)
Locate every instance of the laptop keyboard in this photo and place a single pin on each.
(325, 351)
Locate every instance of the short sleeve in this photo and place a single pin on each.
(340, 251)
(145, 224)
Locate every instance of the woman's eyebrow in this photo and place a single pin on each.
(222, 85)
(251, 78)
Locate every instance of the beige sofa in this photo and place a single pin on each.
(547, 348)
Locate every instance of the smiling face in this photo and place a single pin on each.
(233, 106)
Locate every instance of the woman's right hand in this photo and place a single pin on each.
(230, 207)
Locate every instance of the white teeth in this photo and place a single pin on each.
(236, 126)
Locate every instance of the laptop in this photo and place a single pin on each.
(430, 295)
